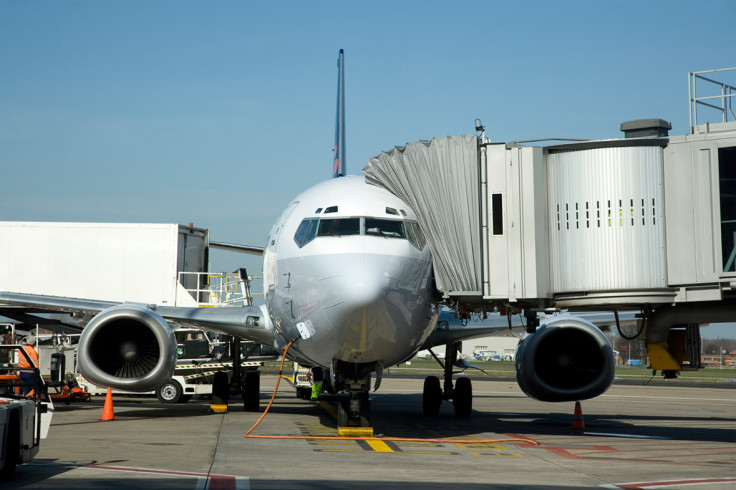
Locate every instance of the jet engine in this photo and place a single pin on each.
(565, 360)
(127, 347)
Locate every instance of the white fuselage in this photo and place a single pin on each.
(347, 271)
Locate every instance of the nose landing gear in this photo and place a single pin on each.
(358, 408)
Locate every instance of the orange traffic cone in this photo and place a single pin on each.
(577, 422)
(107, 413)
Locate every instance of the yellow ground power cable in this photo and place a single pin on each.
(367, 439)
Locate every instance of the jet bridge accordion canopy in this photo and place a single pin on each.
(439, 179)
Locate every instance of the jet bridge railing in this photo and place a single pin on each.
(726, 94)
(220, 289)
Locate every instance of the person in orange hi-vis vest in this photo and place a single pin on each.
(27, 376)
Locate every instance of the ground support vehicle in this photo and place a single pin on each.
(302, 379)
(24, 421)
(191, 377)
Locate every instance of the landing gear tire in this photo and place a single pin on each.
(462, 397)
(431, 396)
(252, 391)
(169, 392)
(364, 417)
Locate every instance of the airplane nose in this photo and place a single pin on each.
(362, 290)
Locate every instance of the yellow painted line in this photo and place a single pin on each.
(379, 446)
(364, 451)
(328, 408)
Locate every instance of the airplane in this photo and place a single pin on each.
(348, 281)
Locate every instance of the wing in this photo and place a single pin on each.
(131, 346)
(450, 330)
(235, 247)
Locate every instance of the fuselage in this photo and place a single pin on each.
(347, 271)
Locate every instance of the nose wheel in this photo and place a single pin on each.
(461, 395)
(357, 409)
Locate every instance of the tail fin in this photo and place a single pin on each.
(338, 170)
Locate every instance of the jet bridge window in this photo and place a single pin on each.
(388, 228)
(339, 227)
(306, 231)
(727, 183)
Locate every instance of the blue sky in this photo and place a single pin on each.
(220, 112)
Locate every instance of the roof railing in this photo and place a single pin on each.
(726, 95)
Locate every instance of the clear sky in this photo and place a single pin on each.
(220, 112)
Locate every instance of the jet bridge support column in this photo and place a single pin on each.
(532, 321)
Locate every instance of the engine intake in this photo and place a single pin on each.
(565, 360)
(127, 347)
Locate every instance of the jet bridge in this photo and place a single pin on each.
(617, 223)
(644, 222)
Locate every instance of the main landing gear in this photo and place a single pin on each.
(461, 395)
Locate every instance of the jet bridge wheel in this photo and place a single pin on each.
(431, 396)
(462, 397)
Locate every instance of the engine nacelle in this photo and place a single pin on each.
(127, 347)
(565, 360)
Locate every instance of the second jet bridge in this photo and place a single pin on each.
(644, 220)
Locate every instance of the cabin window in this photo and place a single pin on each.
(306, 231)
(388, 228)
(339, 227)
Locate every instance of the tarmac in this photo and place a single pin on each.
(635, 436)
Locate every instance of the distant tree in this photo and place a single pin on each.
(714, 346)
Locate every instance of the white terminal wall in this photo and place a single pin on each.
(101, 261)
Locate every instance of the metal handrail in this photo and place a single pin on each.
(726, 96)
(220, 289)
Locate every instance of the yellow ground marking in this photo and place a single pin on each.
(379, 446)
(364, 451)
(327, 408)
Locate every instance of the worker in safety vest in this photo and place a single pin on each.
(27, 375)
(317, 382)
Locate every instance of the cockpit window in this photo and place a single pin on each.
(389, 228)
(331, 209)
(415, 234)
(306, 231)
(310, 228)
(339, 227)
